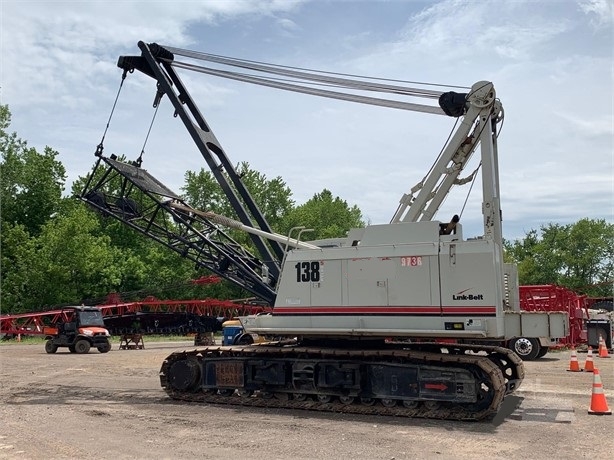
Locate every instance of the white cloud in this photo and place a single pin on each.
(288, 24)
(458, 30)
(599, 11)
(552, 68)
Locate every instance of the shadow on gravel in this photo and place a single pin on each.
(70, 395)
(65, 395)
(510, 405)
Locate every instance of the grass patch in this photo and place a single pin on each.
(27, 340)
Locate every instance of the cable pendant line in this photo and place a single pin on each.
(316, 92)
(419, 92)
(355, 84)
(324, 83)
(207, 56)
(139, 160)
(100, 146)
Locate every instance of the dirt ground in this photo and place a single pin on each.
(111, 406)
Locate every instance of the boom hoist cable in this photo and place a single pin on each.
(301, 78)
(258, 65)
(313, 91)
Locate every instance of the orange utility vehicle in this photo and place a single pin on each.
(79, 329)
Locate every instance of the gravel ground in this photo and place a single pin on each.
(111, 406)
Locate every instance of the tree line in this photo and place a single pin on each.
(56, 251)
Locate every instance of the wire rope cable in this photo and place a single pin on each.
(259, 64)
(139, 160)
(100, 146)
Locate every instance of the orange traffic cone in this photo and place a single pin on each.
(574, 366)
(589, 365)
(599, 406)
(603, 351)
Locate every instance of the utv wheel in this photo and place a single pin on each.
(50, 347)
(82, 346)
(527, 349)
(105, 348)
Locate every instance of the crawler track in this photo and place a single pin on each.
(496, 369)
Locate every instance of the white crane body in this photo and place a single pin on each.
(357, 322)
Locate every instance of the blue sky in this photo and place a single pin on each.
(551, 63)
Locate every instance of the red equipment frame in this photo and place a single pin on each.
(549, 297)
(33, 323)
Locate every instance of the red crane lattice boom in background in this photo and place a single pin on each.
(33, 323)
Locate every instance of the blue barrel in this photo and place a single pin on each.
(229, 334)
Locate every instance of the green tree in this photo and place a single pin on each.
(31, 182)
(328, 217)
(273, 197)
(63, 264)
(13, 280)
(578, 256)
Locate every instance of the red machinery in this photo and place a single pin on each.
(33, 323)
(550, 297)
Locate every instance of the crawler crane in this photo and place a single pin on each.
(356, 323)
